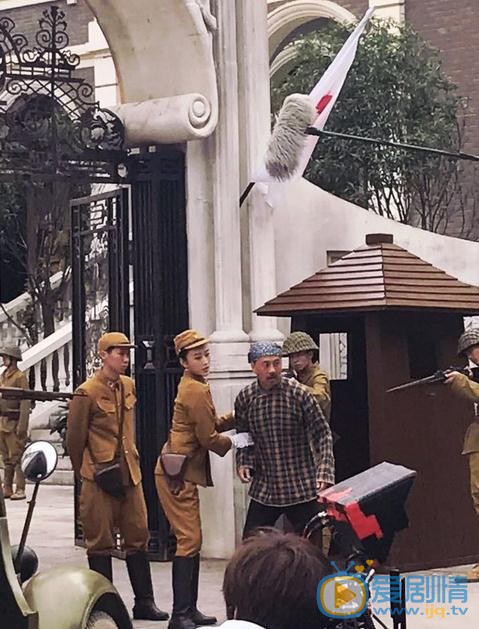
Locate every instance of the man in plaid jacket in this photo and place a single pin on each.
(292, 456)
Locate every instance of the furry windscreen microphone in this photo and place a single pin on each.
(288, 137)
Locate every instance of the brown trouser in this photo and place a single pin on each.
(474, 472)
(100, 514)
(183, 513)
(11, 449)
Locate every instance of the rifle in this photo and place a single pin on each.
(439, 376)
(12, 393)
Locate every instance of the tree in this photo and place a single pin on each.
(35, 210)
(34, 230)
(396, 90)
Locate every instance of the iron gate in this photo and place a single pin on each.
(100, 275)
(100, 284)
(160, 269)
(157, 255)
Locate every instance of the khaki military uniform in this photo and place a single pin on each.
(93, 431)
(317, 382)
(467, 388)
(194, 432)
(14, 416)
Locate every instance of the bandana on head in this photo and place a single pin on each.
(263, 348)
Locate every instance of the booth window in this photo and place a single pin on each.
(422, 354)
(333, 354)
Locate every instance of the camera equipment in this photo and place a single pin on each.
(364, 513)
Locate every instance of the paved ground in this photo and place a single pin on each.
(51, 535)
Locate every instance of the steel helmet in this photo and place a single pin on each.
(12, 351)
(468, 339)
(298, 342)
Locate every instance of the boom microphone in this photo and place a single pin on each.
(288, 139)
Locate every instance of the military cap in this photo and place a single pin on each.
(189, 339)
(113, 339)
(12, 352)
(468, 339)
(298, 342)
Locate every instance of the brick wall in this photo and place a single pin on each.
(77, 17)
(453, 27)
(358, 7)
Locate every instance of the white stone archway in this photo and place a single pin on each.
(287, 17)
(163, 51)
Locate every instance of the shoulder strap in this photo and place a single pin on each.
(121, 419)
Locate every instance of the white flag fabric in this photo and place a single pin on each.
(324, 96)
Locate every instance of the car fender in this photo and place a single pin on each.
(65, 597)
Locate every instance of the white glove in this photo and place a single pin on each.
(242, 440)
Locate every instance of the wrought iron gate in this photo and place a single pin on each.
(160, 268)
(100, 284)
(100, 275)
(157, 253)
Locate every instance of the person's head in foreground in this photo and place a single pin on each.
(271, 581)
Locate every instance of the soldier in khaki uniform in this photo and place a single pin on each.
(468, 347)
(300, 349)
(13, 425)
(194, 432)
(97, 417)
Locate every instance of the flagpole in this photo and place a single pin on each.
(400, 145)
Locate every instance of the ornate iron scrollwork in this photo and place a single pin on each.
(50, 125)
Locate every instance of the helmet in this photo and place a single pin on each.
(11, 351)
(298, 342)
(468, 339)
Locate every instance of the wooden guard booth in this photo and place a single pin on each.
(402, 317)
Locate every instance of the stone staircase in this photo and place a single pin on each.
(38, 359)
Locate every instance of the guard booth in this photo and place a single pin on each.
(398, 318)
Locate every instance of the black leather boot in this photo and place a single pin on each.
(101, 564)
(140, 577)
(182, 582)
(196, 616)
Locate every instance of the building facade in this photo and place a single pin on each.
(194, 75)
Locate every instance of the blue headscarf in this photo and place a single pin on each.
(263, 348)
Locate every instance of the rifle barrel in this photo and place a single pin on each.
(13, 393)
(436, 377)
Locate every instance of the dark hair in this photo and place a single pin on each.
(272, 580)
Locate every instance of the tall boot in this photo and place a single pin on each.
(19, 493)
(196, 616)
(182, 593)
(8, 481)
(139, 572)
(101, 564)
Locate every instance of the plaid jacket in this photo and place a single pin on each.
(292, 443)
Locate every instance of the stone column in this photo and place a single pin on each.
(226, 220)
(254, 116)
(229, 343)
